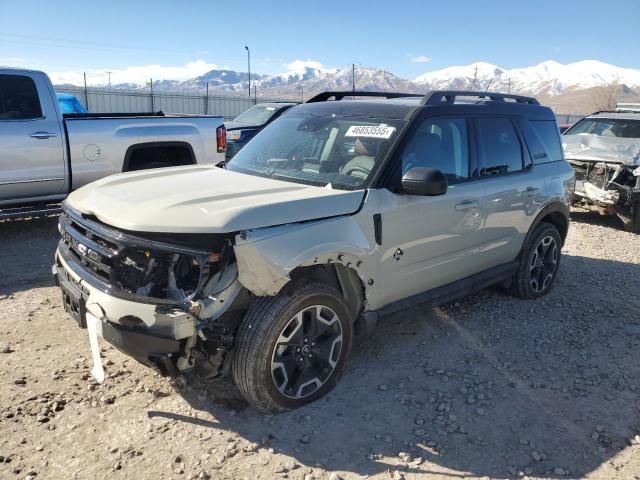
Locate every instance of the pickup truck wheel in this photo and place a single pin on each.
(292, 348)
(539, 263)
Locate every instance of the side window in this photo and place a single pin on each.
(500, 148)
(18, 98)
(441, 143)
(548, 132)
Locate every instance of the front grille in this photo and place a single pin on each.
(94, 252)
(128, 265)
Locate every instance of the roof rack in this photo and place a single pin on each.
(339, 95)
(438, 97)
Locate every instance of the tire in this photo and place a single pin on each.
(539, 263)
(634, 222)
(274, 345)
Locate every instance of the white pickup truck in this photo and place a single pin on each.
(44, 155)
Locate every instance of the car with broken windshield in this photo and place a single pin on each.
(604, 150)
(339, 213)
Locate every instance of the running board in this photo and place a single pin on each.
(39, 210)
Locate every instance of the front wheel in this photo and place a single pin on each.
(539, 263)
(292, 348)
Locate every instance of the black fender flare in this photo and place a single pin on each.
(554, 211)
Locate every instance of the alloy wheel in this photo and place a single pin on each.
(306, 352)
(542, 266)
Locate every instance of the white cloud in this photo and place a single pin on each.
(300, 65)
(135, 74)
(420, 59)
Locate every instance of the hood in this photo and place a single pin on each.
(602, 149)
(239, 125)
(206, 199)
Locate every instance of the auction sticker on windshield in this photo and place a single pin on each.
(370, 131)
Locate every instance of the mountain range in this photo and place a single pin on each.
(550, 81)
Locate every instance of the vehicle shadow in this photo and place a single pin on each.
(486, 386)
(594, 218)
(26, 253)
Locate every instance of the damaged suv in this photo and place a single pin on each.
(604, 150)
(336, 214)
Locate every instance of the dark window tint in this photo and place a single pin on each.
(550, 135)
(500, 149)
(18, 98)
(441, 143)
(543, 140)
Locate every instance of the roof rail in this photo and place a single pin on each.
(339, 95)
(438, 97)
(628, 107)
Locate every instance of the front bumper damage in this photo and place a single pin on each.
(609, 188)
(160, 303)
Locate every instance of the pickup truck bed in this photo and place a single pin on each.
(44, 155)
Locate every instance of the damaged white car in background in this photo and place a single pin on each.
(604, 150)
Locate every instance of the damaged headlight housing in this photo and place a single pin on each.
(163, 268)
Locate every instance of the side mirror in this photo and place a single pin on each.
(424, 181)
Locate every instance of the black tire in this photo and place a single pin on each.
(259, 343)
(634, 222)
(538, 266)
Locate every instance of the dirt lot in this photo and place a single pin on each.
(489, 386)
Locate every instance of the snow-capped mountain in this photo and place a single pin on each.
(546, 78)
(550, 81)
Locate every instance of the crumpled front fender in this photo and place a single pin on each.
(267, 256)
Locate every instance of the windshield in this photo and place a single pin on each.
(339, 152)
(605, 127)
(256, 115)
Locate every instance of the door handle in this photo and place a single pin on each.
(467, 205)
(531, 191)
(43, 135)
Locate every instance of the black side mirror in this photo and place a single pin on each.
(424, 181)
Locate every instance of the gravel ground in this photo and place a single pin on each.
(488, 386)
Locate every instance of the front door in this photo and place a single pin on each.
(427, 241)
(31, 143)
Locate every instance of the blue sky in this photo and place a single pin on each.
(406, 38)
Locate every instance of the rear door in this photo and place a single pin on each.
(510, 189)
(32, 162)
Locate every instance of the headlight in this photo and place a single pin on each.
(234, 135)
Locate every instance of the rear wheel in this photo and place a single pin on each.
(292, 348)
(539, 263)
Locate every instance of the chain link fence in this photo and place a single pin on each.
(106, 100)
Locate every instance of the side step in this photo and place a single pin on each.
(25, 211)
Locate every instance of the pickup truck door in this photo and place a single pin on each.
(32, 159)
(427, 242)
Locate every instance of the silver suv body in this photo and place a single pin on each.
(334, 215)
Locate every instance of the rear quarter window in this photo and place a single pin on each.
(543, 140)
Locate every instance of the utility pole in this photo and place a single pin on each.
(475, 77)
(86, 92)
(249, 67)
(353, 77)
(487, 89)
(206, 101)
(151, 83)
(255, 94)
(109, 74)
